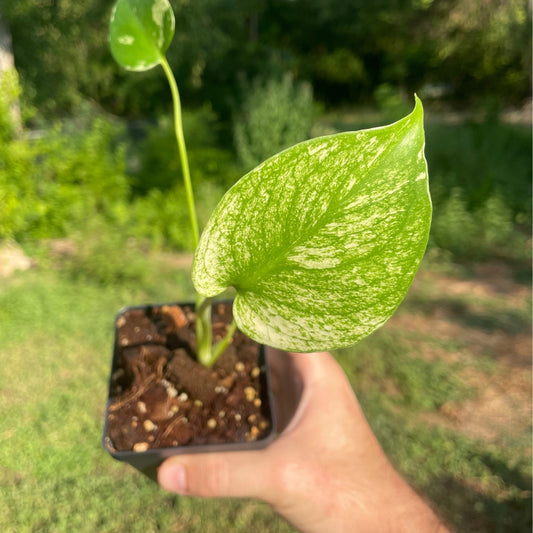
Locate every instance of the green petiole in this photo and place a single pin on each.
(207, 353)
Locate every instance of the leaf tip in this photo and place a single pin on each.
(419, 108)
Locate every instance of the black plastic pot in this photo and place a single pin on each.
(149, 460)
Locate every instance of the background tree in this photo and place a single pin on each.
(477, 49)
(10, 121)
(60, 49)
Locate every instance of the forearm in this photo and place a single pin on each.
(395, 508)
(409, 512)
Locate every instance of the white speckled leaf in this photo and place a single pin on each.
(140, 31)
(322, 240)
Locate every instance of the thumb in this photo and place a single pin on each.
(216, 475)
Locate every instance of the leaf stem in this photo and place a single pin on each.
(204, 333)
(178, 128)
(222, 344)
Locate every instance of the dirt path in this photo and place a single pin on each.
(483, 318)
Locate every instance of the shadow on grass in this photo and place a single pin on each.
(509, 321)
(471, 511)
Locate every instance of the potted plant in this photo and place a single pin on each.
(320, 242)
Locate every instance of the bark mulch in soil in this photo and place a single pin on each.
(161, 397)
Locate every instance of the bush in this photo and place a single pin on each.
(487, 231)
(391, 102)
(454, 227)
(274, 116)
(162, 217)
(19, 201)
(157, 160)
(103, 255)
(57, 184)
(17, 189)
(158, 210)
(60, 180)
(80, 175)
(9, 97)
(483, 160)
(481, 189)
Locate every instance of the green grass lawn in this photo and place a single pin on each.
(55, 346)
(446, 384)
(416, 379)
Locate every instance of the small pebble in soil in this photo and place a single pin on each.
(222, 414)
(257, 402)
(148, 425)
(198, 403)
(121, 321)
(252, 434)
(140, 446)
(238, 417)
(239, 367)
(141, 407)
(263, 425)
(255, 372)
(175, 408)
(171, 390)
(211, 423)
(183, 397)
(252, 419)
(249, 393)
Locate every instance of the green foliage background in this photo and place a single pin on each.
(274, 115)
(472, 50)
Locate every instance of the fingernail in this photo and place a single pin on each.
(173, 477)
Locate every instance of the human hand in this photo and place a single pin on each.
(325, 472)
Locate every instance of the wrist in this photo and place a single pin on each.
(408, 512)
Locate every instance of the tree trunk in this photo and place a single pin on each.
(7, 63)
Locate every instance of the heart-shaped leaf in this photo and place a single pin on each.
(140, 31)
(322, 240)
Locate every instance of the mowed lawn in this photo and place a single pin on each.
(446, 384)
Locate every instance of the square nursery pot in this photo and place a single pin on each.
(161, 402)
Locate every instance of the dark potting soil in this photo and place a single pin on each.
(161, 397)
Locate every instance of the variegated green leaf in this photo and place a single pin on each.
(322, 240)
(140, 31)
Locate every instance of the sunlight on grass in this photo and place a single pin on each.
(55, 347)
(55, 338)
